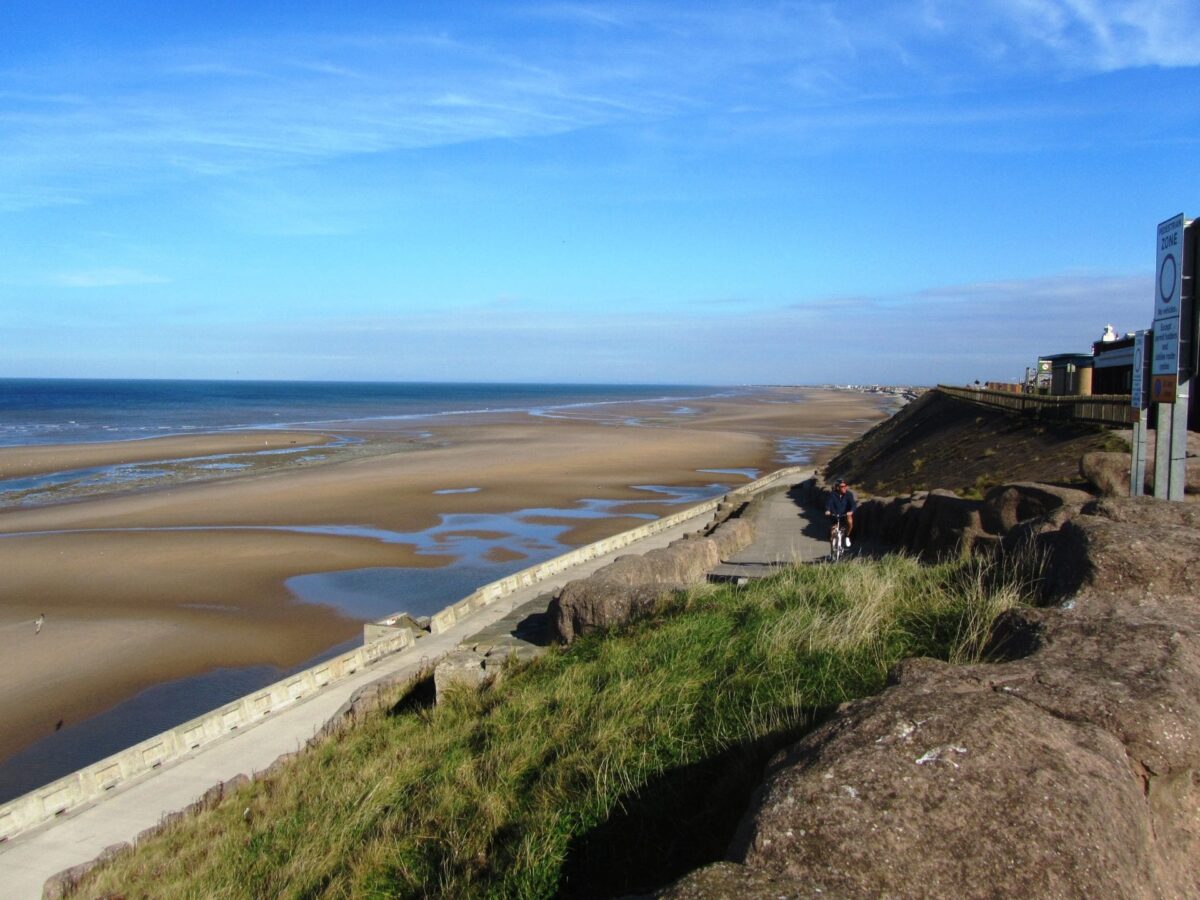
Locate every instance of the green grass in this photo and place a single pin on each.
(607, 767)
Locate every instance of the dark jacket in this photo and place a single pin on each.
(840, 504)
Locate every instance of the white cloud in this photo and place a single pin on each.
(68, 132)
(1093, 35)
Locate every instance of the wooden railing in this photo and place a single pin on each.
(1104, 409)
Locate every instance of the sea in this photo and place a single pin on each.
(62, 411)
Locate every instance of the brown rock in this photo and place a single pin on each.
(731, 536)
(1009, 504)
(946, 523)
(460, 667)
(1134, 673)
(1146, 511)
(947, 787)
(730, 881)
(594, 604)
(1109, 558)
(631, 586)
(1107, 472)
(67, 882)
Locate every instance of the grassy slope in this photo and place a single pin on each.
(611, 766)
(942, 442)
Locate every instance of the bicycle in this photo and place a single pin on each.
(839, 539)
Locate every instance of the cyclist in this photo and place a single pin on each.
(841, 502)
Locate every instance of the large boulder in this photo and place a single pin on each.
(595, 604)
(947, 524)
(1007, 505)
(1129, 562)
(934, 522)
(954, 784)
(731, 536)
(685, 561)
(1107, 472)
(631, 586)
(475, 666)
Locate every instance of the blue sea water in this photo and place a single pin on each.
(48, 411)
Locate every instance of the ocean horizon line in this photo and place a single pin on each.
(47, 411)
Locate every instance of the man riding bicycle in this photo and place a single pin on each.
(841, 502)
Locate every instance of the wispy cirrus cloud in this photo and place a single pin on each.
(80, 126)
(1102, 35)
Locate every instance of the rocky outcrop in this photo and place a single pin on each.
(940, 523)
(1070, 770)
(1132, 552)
(1107, 472)
(631, 586)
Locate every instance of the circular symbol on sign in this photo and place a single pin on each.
(1167, 278)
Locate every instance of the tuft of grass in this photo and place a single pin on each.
(608, 767)
(1115, 442)
(980, 487)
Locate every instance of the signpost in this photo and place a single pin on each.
(1043, 375)
(1140, 402)
(1169, 369)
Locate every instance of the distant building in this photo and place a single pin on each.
(1070, 374)
(1112, 365)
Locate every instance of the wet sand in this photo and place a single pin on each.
(16, 462)
(142, 586)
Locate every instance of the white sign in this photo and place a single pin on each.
(1168, 288)
(1165, 359)
(1138, 388)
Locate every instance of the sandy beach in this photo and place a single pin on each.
(142, 586)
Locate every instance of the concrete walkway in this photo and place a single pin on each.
(787, 529)
(27, 860)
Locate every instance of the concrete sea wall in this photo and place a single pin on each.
(93, 782)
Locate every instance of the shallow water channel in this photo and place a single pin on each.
(485, 547)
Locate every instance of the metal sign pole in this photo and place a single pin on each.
(1162, 451)
(1179, 430)
(1139, 381)
(1137, 471)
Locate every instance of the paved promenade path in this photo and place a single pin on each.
(29, 859)
(788, 528)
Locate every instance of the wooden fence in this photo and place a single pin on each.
(1106, 409)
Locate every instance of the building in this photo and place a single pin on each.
(1112, 366)
(1070, 374)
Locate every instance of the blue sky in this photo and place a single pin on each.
(643, 192)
